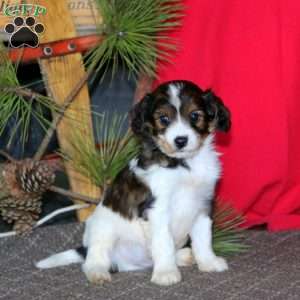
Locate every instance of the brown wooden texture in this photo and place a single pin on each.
(4, 19)
(61, 75)
(84, 14)
(144, 86)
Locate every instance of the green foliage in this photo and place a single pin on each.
(18, 101)
(227, 234)
(135, 34)
(102, 164)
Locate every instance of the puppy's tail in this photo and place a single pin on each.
(68, 257)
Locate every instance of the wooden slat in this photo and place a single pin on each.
(61, 74)
(85, 16)
(4, 19)
(84, 13)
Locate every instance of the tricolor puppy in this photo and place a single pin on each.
(157, 211)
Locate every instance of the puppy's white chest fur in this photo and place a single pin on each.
(182, 193)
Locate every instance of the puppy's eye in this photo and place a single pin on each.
(195, 115)
(164, 120)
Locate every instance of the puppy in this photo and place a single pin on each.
(162, 200)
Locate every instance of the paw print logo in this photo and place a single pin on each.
(24, 32)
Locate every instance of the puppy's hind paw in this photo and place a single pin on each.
(166, 277)
(185, 257)
(215, 264)
(97, 275)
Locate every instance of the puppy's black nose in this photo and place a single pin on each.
(181, 142)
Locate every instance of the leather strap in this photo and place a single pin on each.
(57, 48)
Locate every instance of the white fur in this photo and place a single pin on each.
(182, 197)
(185, 257)
(60, 259)
(202, 246)
(174, 91)
(114, 240)
(181, 128)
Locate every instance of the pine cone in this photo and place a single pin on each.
(24, 224)
(23, 184)
(10, 182)
(13, 210)
(35, 176)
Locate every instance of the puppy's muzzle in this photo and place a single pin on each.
(181, 141)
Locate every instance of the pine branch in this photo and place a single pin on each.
(73, 195)
(21, 92)
(59, 116)
(7, 156)
(227, 233)
(134, 35)
(19, 104)
(53, 188)
(102, 164)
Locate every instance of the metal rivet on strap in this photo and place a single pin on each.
(71, 46)
(48, 51)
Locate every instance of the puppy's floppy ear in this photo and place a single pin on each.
(140, 115)
(217, 112)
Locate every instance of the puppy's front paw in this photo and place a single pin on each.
(96, 275)
(214, 264)
(166, 277)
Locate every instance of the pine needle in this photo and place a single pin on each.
(102, 164)
(227, 233)
(135, 34)
(19, 104)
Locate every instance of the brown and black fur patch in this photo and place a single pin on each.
(164, 110)
(148, 157)
(127, 195)
(201, 124)
(213, 115)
